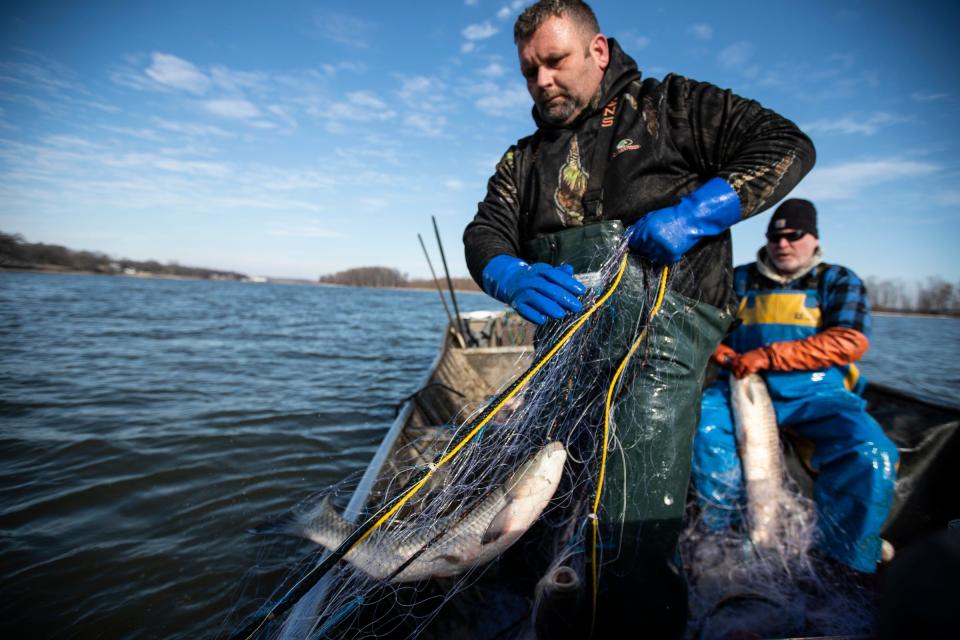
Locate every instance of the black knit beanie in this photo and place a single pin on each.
(794, 214)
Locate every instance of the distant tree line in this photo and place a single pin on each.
(388, 277)
(936, 295)
(17, 253)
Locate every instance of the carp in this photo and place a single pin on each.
(758, 441)
(471, 540)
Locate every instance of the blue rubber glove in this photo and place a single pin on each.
(535, 291)
(665, 235)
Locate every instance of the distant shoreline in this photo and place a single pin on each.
(249, 280)
(75, 272)
(360, 286)
(296, 281)
(915, 314)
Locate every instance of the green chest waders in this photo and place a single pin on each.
(656, 412)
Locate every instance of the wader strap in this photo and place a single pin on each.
(754, 280)
(525, 171)
(593, 198)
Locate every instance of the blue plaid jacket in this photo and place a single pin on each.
(842, 295)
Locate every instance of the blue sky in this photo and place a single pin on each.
(300, 138)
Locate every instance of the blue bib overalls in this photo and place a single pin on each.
(853, 461)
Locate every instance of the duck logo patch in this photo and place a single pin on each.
(623, 146)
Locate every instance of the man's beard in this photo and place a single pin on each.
(565, 111)
(558, 112)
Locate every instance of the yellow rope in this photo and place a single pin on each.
(506, 398)
(517, 385)
(595, 515)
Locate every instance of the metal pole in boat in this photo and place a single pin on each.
(443, 299)
(465, 327)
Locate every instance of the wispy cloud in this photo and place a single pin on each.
(232, 108)
(169, 71)
(344, 29)
(475, 33)
(928, 97)
(366, 99)
(38, 73)
(47, 86)
(839, 74)
(836, 64)
(428, 125)
(828, 78)
(62, 160)
(282, 114)
(360, 106)
(234, 81)
(852, 124)
(423, 93)
(192, 129)
(700, 31)
(492, 70)
(307, 180)
(480, 31)
(736, 55)
(69, 173)
(69, 141)
(193, 167)
(508, 10)
(332, 69)
(848, 180)
(155, 161)
(632, 41)
(141, 133)
(496, 100)
(371, 151)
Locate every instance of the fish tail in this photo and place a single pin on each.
(286, 525)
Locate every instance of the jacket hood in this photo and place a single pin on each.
(621, 71)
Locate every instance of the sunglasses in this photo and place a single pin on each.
(789, 236)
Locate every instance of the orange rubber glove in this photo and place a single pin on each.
(833, 346)
(751, 362)
(723, 355)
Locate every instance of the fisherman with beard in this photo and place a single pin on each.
(804, 324)
(671, 164)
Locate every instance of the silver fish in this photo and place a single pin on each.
(758, 441)
(479, 537)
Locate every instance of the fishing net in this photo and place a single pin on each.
(594, 376)
(783, 589)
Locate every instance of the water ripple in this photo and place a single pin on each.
(148, 424)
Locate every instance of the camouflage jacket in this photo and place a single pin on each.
(669, 137)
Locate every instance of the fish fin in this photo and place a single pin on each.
(303, 521)
(453, 559)
(501, 525)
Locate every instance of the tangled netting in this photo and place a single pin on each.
(783, 589)
(564, 401)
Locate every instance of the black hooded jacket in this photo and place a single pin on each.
(669, 137)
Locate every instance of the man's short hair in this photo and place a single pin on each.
(536, 14)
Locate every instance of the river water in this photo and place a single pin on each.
(146, 425)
